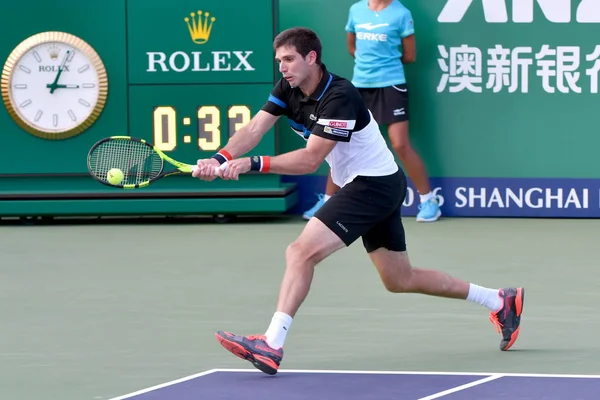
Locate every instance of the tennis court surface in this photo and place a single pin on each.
(351, 385)
(128, 309)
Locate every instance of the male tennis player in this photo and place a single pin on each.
(328, 111)
(381, 38)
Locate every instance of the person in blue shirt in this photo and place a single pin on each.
(381, 38)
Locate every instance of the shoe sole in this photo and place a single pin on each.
(437, 216)
(519, 300)
(240, 351)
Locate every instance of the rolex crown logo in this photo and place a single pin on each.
(53, 50)
(200, 26)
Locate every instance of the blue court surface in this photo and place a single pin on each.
(243, 384)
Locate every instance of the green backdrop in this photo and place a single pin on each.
(495, 132)
(503, 101)
(185, 85)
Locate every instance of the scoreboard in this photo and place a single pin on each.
(184, 75)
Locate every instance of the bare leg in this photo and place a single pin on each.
(315, 243)
(398, 276)
(505, 305)
(265, 352)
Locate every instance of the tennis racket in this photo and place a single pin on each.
(141, 162)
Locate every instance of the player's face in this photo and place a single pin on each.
(292, 65)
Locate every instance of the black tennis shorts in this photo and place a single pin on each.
(388, 104)
(368, 207)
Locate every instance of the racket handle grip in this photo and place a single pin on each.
(218, 170)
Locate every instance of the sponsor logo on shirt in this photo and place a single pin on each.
(376, 37)
(369, 26)
(337, 132)
(338, 124)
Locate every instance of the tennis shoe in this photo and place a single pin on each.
(429, 211)
(507, 320)
(252, 348)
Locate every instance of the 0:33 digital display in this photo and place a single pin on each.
(207, 121)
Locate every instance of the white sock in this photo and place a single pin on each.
(280, 323)
(326, 197)
(489, 298)
(425, 197)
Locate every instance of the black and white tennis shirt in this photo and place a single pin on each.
(336, 111)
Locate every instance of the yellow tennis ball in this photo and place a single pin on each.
(114, 176)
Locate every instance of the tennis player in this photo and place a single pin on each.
(381, 38)
(328, 111)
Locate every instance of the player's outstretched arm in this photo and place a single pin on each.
(302, 161)
(297, 162)
(244, 140)
(339, 110)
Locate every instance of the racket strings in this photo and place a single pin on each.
(138, 161)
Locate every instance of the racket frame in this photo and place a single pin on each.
(180, 168)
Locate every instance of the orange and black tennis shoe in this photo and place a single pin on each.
(254, 349)
(507, 321)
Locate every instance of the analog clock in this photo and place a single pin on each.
(54, 85)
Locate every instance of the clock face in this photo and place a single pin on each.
(54, 87)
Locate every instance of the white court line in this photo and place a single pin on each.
(488, 375)
(462, 387)
(162, 385)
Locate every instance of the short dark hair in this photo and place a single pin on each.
(303, 39)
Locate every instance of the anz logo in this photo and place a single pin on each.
(495, 11)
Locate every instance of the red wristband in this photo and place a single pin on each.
(222, 156)
(266, 164)
(225, 154)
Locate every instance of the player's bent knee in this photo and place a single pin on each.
(399, 280)
(316, 242)
(394, 269)
(395, 285)
(299, 252)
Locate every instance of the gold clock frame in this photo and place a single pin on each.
(49, 37)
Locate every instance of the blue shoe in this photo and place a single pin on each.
(309, 214)
(429, 211)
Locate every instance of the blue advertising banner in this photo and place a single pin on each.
(491, 197)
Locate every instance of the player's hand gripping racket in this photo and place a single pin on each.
(131, 163)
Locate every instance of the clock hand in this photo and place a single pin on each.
(57, 86)
(54, 84)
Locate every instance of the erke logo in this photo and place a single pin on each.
(495, 11)
(369, 26)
